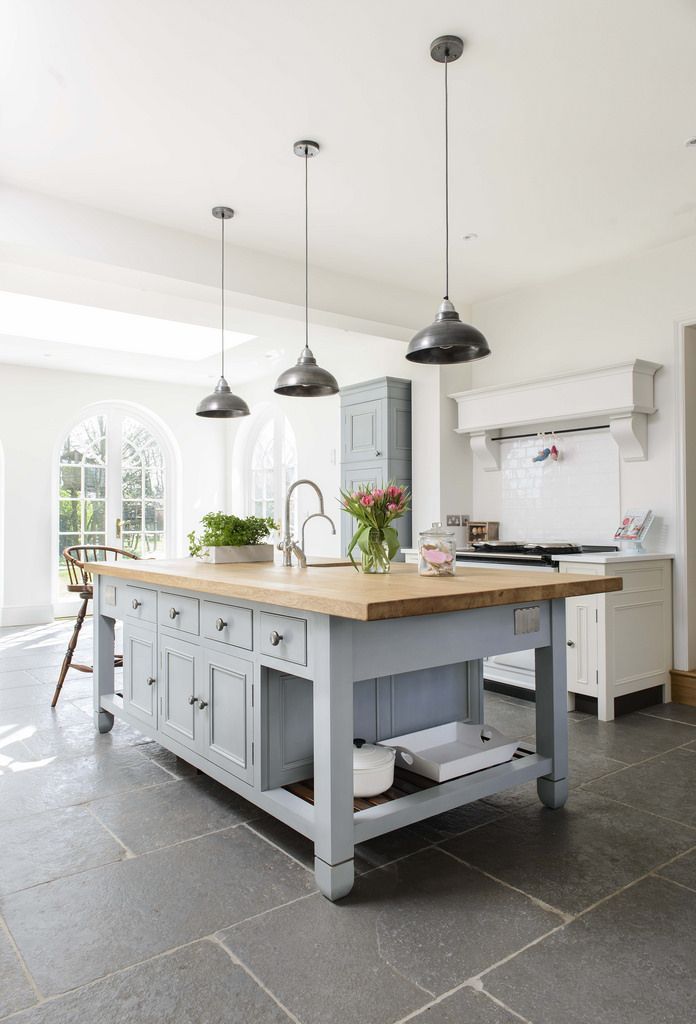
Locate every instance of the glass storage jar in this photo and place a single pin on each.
(436, 552)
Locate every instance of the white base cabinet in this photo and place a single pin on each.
(199, 693)
(140, 672)
(620, 643)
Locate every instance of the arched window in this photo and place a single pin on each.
(113, 486)
(272, 467)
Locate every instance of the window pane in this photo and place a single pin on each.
(131, 483)
(129, 455)
(95, 538)
(154, 544)
(132, 516)
(70, 481)
(66, 540)
(154, 516)
(154, 484)
(95, 516)
(95, 482)
(86, 442)
(70, 520)
(131, 542)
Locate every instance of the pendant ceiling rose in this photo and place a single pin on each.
(447, 339)
(222, 403)
(306, 379)
(446, 49)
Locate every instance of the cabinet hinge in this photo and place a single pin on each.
(252, 695)
(597, 676)
(596, 615)
(252, 752)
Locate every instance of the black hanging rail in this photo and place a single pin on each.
(567, 430)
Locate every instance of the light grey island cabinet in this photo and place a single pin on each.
(261, 676)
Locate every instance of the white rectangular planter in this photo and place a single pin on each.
(239, 553)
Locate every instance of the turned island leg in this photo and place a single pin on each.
(333, 759)
(103, 677)
(552, 710)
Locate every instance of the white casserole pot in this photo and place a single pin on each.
(373, 768)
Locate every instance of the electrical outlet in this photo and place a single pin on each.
(454, 520)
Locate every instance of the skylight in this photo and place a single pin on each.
(28, 316)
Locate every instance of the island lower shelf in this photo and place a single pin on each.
(413, 798)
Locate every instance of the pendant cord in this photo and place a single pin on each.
(446, 184)
(222, 301)
(306, 235)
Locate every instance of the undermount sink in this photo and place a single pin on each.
(325, 562)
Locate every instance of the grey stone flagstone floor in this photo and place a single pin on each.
(133, 889)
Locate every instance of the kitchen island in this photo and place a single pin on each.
(261, 675)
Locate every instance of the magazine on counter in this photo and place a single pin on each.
(635, 524)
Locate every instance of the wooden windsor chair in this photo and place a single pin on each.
(77, 561)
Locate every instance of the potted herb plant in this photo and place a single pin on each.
(375, 508)
(231, 539)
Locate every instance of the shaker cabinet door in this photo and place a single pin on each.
(181, 686)
(363, 431)
(139, 675)
(227, 721)
(581, 644)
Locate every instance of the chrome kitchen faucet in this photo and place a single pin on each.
(288, 545)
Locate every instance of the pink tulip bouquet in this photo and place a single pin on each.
(375, 509)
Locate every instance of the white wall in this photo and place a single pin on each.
(36, 408)
(600, 316)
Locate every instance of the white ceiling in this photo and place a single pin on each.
(568, 126)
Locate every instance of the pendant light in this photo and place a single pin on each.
(305, 379)
(222, 404)
(447, 339)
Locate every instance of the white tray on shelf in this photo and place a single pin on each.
(448, 751)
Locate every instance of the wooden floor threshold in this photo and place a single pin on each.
(684, 686)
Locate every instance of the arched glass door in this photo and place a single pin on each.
(113, 487)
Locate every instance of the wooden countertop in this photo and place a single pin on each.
(341, 591)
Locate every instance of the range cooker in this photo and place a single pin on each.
(506, 554)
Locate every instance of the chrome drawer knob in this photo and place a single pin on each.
(173, 613)
(202, 704)
(136, 603)
(570, 643)
(192, 699)
(150, 680)
(275, 638)
(220, 625)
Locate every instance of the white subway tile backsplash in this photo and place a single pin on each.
(576, 498)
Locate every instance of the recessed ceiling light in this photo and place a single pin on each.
(690, 142)
(471, 237)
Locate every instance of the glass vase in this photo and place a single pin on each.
(376, 557)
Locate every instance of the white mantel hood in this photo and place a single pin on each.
(621, 394)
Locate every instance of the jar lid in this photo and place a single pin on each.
(436, 530)
(368, 756)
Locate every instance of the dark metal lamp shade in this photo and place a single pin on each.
(222, 404)
(447, 340)
(305, 379)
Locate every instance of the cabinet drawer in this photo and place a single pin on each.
(227, 623)
(141, 604)
(177, 612)
(284, 637)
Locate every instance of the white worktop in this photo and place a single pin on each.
(607, 557)
(593, 558)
